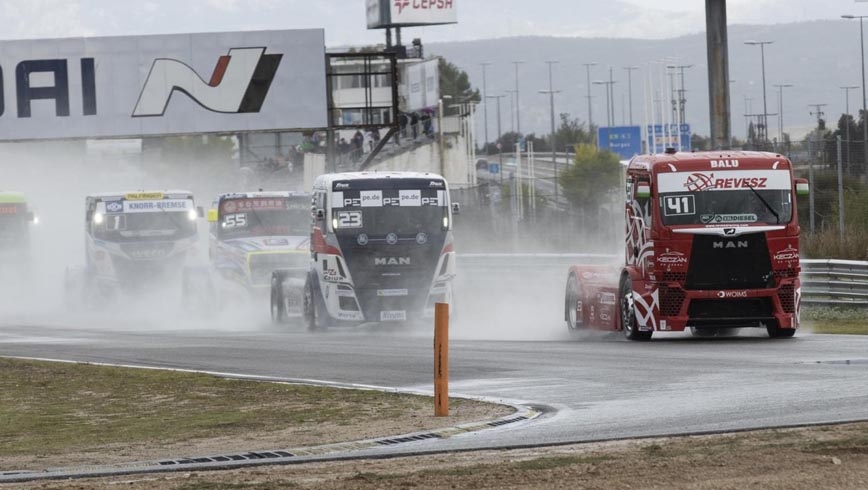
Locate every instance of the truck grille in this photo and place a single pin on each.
(787, 296)
(729, 263)
(671, 300)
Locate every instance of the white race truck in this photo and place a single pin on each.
(134, 242)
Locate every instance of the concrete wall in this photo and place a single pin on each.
(457, 164)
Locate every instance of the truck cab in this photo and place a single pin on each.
(252, 234)
(711, 242)
(381, 248)
(134, 241)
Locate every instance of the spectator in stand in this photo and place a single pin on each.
(403, 122)
(369, 141)
(358, 143)
(425, 120)
(375, 134)
(414, 123)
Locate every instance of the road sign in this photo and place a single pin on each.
(662, 136)
(626, 141)
(493, 168)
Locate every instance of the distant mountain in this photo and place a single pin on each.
(816, 57)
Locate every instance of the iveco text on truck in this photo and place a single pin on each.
(712, 242)
(134, 241)
(381, 248)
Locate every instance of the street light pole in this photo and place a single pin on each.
(551, 93)
(764, 125)
(781, 87)
(498, 97)
(630, 89)
(590, 113)
(608, 101)
(513, 95)
(484, 106)
(847, 89)
(864, 108)
(517, 104)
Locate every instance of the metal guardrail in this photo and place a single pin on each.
(835, 282)
(824, 282)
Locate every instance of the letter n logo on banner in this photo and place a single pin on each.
(239, 83)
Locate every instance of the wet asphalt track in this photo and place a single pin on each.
(508, 343)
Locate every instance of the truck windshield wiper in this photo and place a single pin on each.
(767, 205)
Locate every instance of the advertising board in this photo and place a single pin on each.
(134, 86)
(406, 13)
(423, 85)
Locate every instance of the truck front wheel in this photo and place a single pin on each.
(278, 305)
(628, 313)
(312, 306)
(573, 309)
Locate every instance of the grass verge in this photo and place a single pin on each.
(57, 409)
(836, 320)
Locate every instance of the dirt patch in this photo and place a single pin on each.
(792, 459)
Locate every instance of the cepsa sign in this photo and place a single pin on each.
(113, 87)
(396, 13)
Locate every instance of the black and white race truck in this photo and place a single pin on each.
(381, 249)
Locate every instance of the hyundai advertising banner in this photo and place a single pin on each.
(114, 87)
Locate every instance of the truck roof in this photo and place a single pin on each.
(378, 175)
(258, 194)
(11, 197)
(685, 161)
(121, 195)
(367, 179)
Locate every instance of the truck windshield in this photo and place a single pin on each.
(145, 226)
(403, 221)
(272, 216)
(725, 197)
(743, 206)
(403, 212)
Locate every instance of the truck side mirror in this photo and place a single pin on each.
(803, 188)
(456, 208)
(643, 190)
(212, 215)
(200, 212)
(320, 215)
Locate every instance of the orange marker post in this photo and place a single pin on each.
(441, 359)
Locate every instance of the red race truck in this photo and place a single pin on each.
(712, 243)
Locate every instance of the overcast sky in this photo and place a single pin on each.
(344, 20)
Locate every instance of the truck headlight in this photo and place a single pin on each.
(98, 218)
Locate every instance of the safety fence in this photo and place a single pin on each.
(824, 281)
(835, 282)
